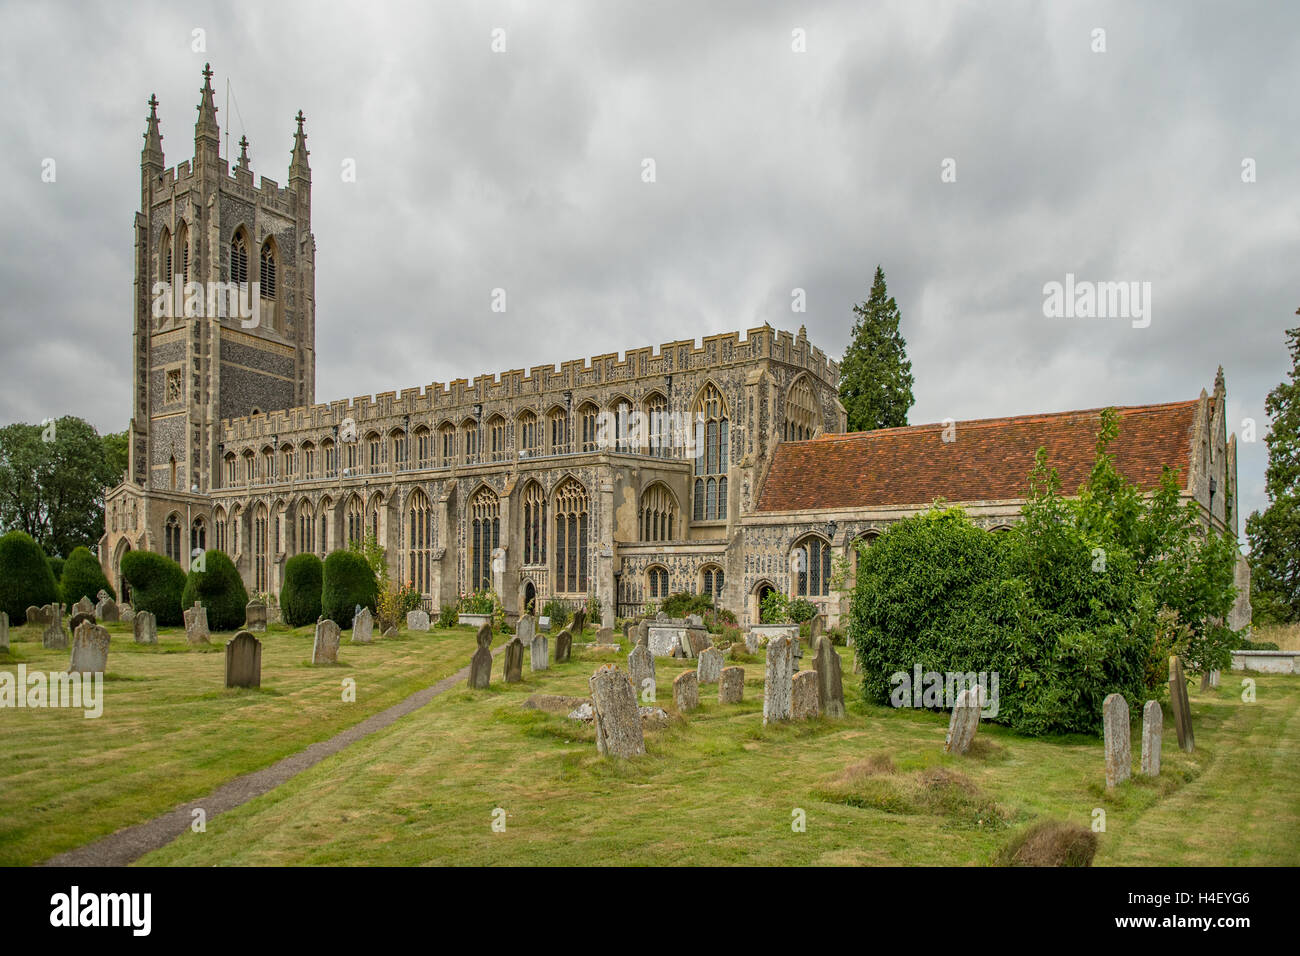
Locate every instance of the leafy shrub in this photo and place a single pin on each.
(479, 602)
(25, 576)
(395, 602)
(348, 582)
(1246, 644)
(447, 615)
(301, 596)
(593, 608)
(83, 577)
(219, 588)
(157, 584)
(683, 603)
(801, 610)
(56, 568)
(558, 613)
(775, 608)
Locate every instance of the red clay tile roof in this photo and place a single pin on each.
(989, 460)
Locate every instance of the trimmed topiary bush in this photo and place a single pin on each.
(56, 568)
(25, 576)
(219, 588)
(303, 583)
(347, 582)
(83, 577)
(157, 583)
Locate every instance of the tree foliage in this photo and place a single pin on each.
(83, 577)
(157, 583)
(301, 596)
(220, 589)
(25, 577)
(348, 581)
(875, 375)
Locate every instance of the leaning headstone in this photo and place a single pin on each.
(579, 622)
(255, 616)
(1153, 728)
(731, 685)
(55, 638)
(1180, 705)
(513, 666)
(695, 640)
(641, 668)
(709, 668)
(391, 632)
(4, 631)
(694, 620)
(627, 630)
(777, 687)
(480, 665)
(417, 620)
(830, 682)
(964, 721)
(1115, 729)
(539, 653)
(244, 661)
(605, 635)
(803, 696)
(363, 627)
(325, 649)
(145, 627)
(196, 624)
(526, 629)
(617, 718)
(89, 649)
(686, 692)
(54, 612)
(563, 647)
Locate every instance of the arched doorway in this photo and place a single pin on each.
(530, 597)
(761, 590)
(123, 589)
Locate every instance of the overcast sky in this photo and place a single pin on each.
(775, 170)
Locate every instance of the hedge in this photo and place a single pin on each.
(83, 577)
(157, 583)
(220, 589)
(300, 600)
(25, 577)
(347, 581)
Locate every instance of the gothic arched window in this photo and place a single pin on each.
(814, 575)
(356, 521)
(711, 442)
(165, 257)
(306, 527)
(485, 536)
(800, 411)
(172, 538)
(571, 505)
(534, 525)
(419, 540)
(238, 259)
(657, 582)
(658, 518)
(267, 275)
(656, 426)
(589, 416)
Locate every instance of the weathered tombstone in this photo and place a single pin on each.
(686, 692)
(106, 610)
(694, 620)
(145, 627)
(731, 685)
(78, 618)
(527, 629)
(964, 721)
(417, 620)
(101, 595)
(363, 627)
(196, 624)
(1153, 727)
(1214, 677)
(480, 665)
(617, 718)
(1180, 705)
(55, 638)
(126, 613)
(325, 649)
(54, 612)
(1115, 729)
(753, 642)
(641, 668)
(244, 661)
(830, 682)
(544, 624)
(34, 616)
(803, 696)
(605, 635)
(84, 606)
(391, 632)
(89, 649)
(627, 630)
(254, 616)
(817, 628)
(777, 687)
(563, 647)
(513, 666)
(664, 641)
(539, 653)
(579, 622)
(695, 641)
(709, 668)
(4, 631)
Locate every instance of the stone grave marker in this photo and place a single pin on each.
(244, 661)
(752, 642)
(34, 616)
(563, 647)
(325, 649)
(480, 665)
(526, 629)
(641, 668)
(84, 606)
(55, 638)
(544, 624)
(89, 649)
(731, 685)
(539, 653)
(1153, 728)
(605, 635)
(617, 717)
(513, 665)
(145, 627)
(803, 696)
(106, 610)
(254, 616)
(709, 668)
(126, 613)
(817, 628)
(779, 679)
(417, 620)
(686, 692)
(363, 626)
(1115, 729)
(964, 720)
(196, 624)
(78, 618)
(1180, 705)
(830, 682)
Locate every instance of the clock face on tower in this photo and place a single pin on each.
(348, 431)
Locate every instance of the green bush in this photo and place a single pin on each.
(157, 584)
(220, 589)
(447, 615)
(1246, 644)
(300, 600)
(775, 608)
(83, 577)
(802, 610)
(56, 568)
(683, 604)
(348, 581)
(25, 577)
(480, 602)
(558, 613)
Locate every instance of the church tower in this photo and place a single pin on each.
(224, 301)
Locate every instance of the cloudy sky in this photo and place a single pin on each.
(774, 170)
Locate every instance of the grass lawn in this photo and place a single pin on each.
(170, 731)
(716, 787)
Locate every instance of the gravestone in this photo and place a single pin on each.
(1214, 677)
(325, 649)
(695, 641)
(1180, 705)
(126, 613)
(607, 617)
(1153, 727)
(527, 629)
(617, 718)
(55, 638)
(4, 631)
(84, 606)
(686, 692)
(391, 632)
(803, 696)
(641, 667)
(78, 618)
(627, 630)
(664, 641)
(694, 620)
(106, 610)
(1115, 730)
(244, 661)
(709, 668)
(816, 629)
(35, 616)
(89, 649)
(544, 624)
(579, 622)
(480, 665)
(605, 635)
(196, 624)
(779, 679)
(964, 720)
(101, 595)
(417, 620)
(752, 642)
(54, 612)
(830, 682)
(513, 666)
(254, 616)
(539, 653)
(363, 626)
(563, 647)
(145, 627)
(731, 685)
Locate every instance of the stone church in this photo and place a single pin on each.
(721, 467)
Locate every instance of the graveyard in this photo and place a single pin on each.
(502, 774)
